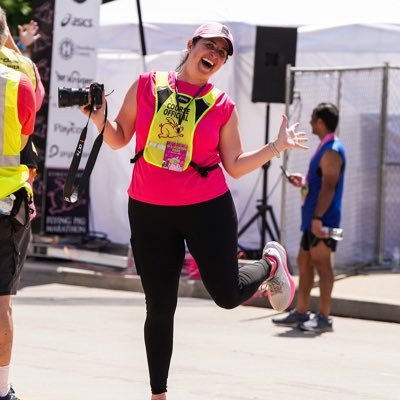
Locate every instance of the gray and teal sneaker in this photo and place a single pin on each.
(317, 324)
(292, 319)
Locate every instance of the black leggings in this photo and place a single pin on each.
(158, 243)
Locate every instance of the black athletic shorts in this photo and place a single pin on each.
(309, 240)
(15, 234)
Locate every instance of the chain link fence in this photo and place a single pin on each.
(369, 102)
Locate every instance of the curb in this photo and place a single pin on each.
(343, 307)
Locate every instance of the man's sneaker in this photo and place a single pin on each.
(293, 319)
(279, 285)
(317, 324)
(10, 395)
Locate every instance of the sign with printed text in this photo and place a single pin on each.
(73, 67)
(61, 217)
(74, 59)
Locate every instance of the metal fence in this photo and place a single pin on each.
(369, 102)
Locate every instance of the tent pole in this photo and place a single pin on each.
(141, 31)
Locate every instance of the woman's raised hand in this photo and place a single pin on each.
(288, 138)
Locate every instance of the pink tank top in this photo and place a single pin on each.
(154, 185)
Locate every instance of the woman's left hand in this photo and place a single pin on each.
(288, 138)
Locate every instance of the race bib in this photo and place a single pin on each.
(174, 156)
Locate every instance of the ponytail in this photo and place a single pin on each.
(186, 55)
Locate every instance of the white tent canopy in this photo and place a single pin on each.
(169, 25)
(353, 34)
(255, 12)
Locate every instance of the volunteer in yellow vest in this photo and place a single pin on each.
(17, 120)
(11, 56)
(186, 131)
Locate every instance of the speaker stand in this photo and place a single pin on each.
(263, 209)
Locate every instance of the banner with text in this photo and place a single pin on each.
(63, 218)
(74, 61)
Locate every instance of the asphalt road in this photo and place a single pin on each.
(76, 342)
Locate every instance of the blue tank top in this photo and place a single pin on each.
(332, 216)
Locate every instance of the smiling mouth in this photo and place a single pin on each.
(208, 63)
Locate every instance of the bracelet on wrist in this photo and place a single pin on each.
(274, 150)
(21, 46)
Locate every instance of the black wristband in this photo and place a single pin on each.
(316, 217)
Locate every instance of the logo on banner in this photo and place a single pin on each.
(79, 1)
(62, 217)
(67, 130)
(68, 49)
(74, 78)
(69, 19)
(56, 151)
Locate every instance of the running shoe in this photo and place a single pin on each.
(317, 324)
(280, 286)
(292, 318)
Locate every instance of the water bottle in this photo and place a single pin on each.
(334, 233)
(7, 204)
(396, 259)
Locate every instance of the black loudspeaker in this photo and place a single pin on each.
(275, 48)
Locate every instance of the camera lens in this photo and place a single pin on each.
(68, 97)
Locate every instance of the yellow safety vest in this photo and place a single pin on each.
(18, 62)
(170, 141)
(13, 175)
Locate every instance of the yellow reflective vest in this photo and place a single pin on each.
(13, 175)
(18, 62)
(170, 140)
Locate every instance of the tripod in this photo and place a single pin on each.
(263, 208)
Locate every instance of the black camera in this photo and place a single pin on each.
(68, 97)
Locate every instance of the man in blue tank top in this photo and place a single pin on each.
(322, 190)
